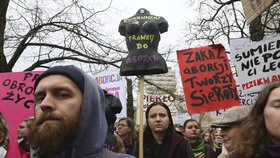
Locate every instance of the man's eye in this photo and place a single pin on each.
(39, 99)
(63, 95)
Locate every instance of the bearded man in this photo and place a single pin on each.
(69, 115)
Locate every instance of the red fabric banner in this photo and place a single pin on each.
(207, 79)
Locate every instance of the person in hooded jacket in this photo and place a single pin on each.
(113, 106)
(69, 116)
(160, 137)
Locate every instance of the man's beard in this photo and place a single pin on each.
(55, 136)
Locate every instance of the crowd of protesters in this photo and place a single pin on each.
(70, 123)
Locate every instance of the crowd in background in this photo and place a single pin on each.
(240, 132)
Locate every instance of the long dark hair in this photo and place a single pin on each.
(191, 120)
(254, 135)
(164, 106)
(148, 136)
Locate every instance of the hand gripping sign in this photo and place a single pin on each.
(142, 33)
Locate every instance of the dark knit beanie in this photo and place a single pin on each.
(69, 71)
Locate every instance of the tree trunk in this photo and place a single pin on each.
(3, 10)
(256, 29)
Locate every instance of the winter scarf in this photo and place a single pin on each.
(198, 147)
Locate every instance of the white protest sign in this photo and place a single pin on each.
(258, 64)
(236, 44)
(181, 118)
(114, 84)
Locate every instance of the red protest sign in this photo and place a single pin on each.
(207, 79)
(16, 104)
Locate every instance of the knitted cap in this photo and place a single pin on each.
(69, 71)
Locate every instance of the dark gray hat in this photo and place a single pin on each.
(69, 71)
(231, 116)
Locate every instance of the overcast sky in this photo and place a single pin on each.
(175, 12)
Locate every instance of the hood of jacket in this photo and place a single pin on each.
(92, 135)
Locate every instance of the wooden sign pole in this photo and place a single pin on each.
(141, 110)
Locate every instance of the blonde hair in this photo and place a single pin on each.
(3, 131)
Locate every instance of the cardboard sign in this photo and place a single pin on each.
(16, 103)
(207, 79)
(258, 64)
(253, 8)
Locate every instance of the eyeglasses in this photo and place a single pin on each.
(122, 125)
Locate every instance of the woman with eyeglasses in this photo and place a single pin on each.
(192, 133)
(126, 130)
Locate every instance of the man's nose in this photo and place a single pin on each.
(47, 104)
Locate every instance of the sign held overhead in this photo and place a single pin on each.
(253, 8)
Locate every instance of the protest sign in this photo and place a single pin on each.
(258, 64)
(16, 103)
(236, 44)
(114, 84)
(254, 8)
(207, 79)
(181, 118)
